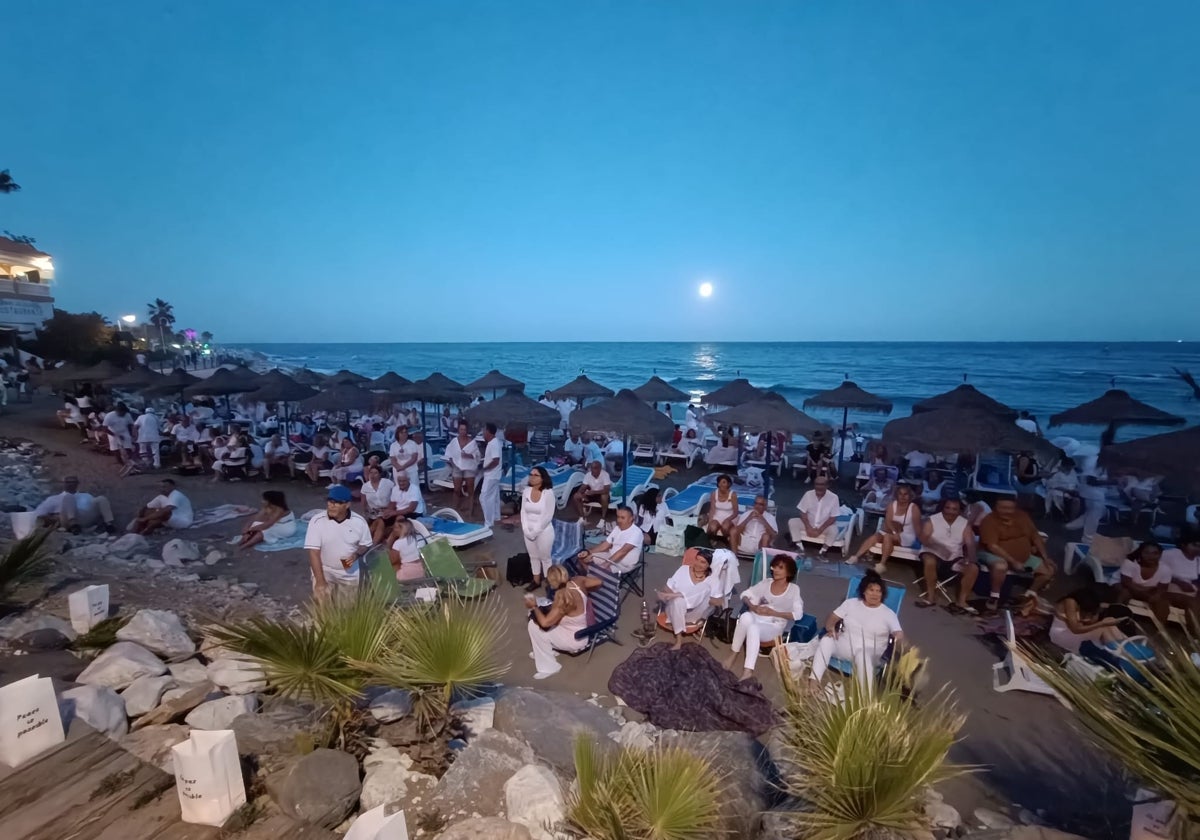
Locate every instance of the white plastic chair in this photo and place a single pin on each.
(1021, 675)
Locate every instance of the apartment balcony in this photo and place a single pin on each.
(34, 291)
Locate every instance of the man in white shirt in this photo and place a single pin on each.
(817, 522)
(596, 487)
(690, 421)
(335, 540)
(424, 453)
(404, 455)
(1093, 492)
(169, 509)
(406, 498)
(573, 449)
(489, 488)
(1029, 423)
(276, 453)
(462, 453)
(916, 462)
(614, 456)
(754, 529)
(148, 429)
(1184, 563)
(119, 423)
(187, 440)
(75, 511)
(622, 550)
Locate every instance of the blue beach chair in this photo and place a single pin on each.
(895, 597)
(993, 474)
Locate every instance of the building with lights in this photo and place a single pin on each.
(25, 277)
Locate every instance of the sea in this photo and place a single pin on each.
(1042, 377)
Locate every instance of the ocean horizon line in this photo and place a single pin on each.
(824, 342)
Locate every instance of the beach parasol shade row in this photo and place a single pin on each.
(101, 372)
(656, 389)
(625, 415)
(948, 431)
(434, 388)
(307, 377)
(1173, 455)
(135, 380)
(965, 397)
(849, 397)
(734, 393)
(276, 386)
(580, 388)
(494, 381)
(347, 377)
(341, 397)
(171, 384)
(222, 383)
(389, 381)
(513, 409)
(1115, 408)
(770, 413)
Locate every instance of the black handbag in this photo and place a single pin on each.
(721, 625)
(518, 571)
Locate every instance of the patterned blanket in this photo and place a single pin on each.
(221, 513)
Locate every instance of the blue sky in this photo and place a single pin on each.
(511, 171)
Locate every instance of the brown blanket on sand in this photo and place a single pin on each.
(688, 689)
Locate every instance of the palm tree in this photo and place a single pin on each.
(206, 337)
(160, 314)
(7, 184)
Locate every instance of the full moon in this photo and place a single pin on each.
(706, 290)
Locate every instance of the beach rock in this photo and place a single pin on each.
(246, 589)
(22, 624)
(474, 784)
(144, 693)
(120, 665)
(549, 721)
(778, 825)
(485, 828)
(160, 631)
(152, 744)
(279, 731)
(177, 552)
(220, 713)
(386, 778)
(391, 705)
(188, 671)
(237, 676)
(637, 736)
(476, 715)
(154, 564)
(993, 819)
(176, 703)
(96, 705)
(746, 790)
(87, 552)
(942, 815)
(187, 578)
(533, 798)
(45, 639)
(128, 545)
(213, 557)
(319, 788)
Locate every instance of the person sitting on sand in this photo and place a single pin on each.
(722, 510)
(1079, 617)
(403, 551)
(596, 487)
(948, 539)
(1009, 540)
(187, 441)
(651, 513)
(276, 453)
(556, 628)
(1144, 577)
(75, 511)
(755, 529)
(691, 594)
(622, 550)
(859, 631)
(169, 509)
(771, 604)
(378, 510)
(819, 509)
(274, 522)
(70, 414)
(899, 526)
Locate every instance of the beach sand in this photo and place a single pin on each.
(1030, 755)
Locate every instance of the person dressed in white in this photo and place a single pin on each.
(622, 550)
(755, 528)
(118, 423)
(690, 595)
(690, 422)
(555, 628)
(75, 511)
(170, 509)
(722, 509)
(1184, 563)
(817, 522)
(573, 449)
(376, 500)
(537, 523)
(335, 541)
(596, 487)
(1093, 492)
(149, 435)
(489, 487)
(404, 552)
(187, 441)
(859, 631)
(404, 455)
(947, 537)
(274, 522)
(276, 453)
(651, 513)
(614, 455)
(462, 453)
(406, 499)
(916, 462)
(771, 605)
(901, 519)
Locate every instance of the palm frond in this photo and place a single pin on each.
(25, 559)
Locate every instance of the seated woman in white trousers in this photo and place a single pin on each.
(690, 595)
(859, 631)
(555, 629)
(771, 604)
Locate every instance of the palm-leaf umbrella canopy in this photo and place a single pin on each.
(307, 377)
(347, 377)
(1173, 455)
(733, 393)
(222, 383)
(513, 409)
(243, 373)
(136, 379)
(495, 381)
(101, 372)
(171, 384)
(580, 388)
(965, 397)
(1115, 408)
(389, 381)
(340, 397)
(849, 397)
(625, 414)
(769, 413)
(440, 380)
(277, 386)
(656, 389)
(964, 431)
(434, 388)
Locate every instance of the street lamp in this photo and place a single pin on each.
(129, 319)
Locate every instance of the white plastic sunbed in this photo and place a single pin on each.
(1077, 554)
(448, 524)
(689, 500)
(635, 480)
(849, 523)
(1021, 677)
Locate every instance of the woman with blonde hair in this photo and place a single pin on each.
(404, 552)
(555, 628)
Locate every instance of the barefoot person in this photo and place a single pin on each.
(169, 509)
(690, 595)
(273, 522)
(722, 510)
(771, 604)
(75, 511)
(462, 453)
(335, 541)
(948, 538)
(901, 519)
(555, 629)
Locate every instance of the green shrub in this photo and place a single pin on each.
(25, 559)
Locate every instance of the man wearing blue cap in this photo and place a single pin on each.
(336, 540)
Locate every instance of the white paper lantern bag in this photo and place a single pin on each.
(373, 825)
(89, 606)
(29, 719)
(208, 777)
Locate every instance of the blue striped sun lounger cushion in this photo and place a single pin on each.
(450, 527)
(606, 600)
(568, 541)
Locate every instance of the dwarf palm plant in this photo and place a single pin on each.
(861, 765)
(25, 559)
(1147, 719)
(664, 793)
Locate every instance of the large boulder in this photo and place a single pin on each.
(474, 784)
(221, 713)
(128, 545)
(22, 624)
(279, 731)
(319, 788)
(152, 744)
(177, 552)
(386, 778)
(476, 715)
(159, 631)
(42, 640)
(96, 705)
(143, 694)
(533, 798)
(549, 721)
(176, 703)
(746, 790)
(485, 828)
(188, 671)
(120, 665)
(237, 676)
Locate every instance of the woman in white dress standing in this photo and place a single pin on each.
(537, 523)
(859, 631)
(771, 604)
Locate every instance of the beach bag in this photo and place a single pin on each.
(518, 571)
(208, 775)
(720, 625)
(373, 825)
(29, 719)
(89, 606)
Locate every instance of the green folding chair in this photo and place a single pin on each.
(381, 574)
(442, 563)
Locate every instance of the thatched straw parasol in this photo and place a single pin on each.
(656, 389)
(222, 383)
(964, 431)
(389, 381)
(347, 377)
(307, 377)
(513, 409)
(1115, 408)
(101, 372)
(770, 413)
(849, 397)
(625, 415)
(965, 397)
(171, 384)
(277, 386)
(343, 397)
(495, 381)
(135, 380)
(1173, 455)
(734, 393)
(579, 389)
